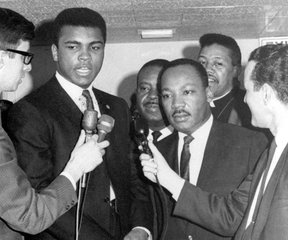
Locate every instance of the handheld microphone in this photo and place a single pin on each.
(104, 126)
(141, 130)
(89, 123)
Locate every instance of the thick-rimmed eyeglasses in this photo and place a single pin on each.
(27, 56)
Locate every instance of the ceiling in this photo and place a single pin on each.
(189, 19)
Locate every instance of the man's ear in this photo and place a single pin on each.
(54, 51)
(209, 94)
(267, 93)
(2, 58)
(237, 71)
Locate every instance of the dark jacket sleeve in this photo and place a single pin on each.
(220, 214)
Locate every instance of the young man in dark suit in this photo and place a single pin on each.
(20, 206)
(115, 203)
(219, 155)
(257, 209)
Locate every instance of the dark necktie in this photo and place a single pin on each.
(156, 135)
(185, 158)
(248, 232)
(89, 102)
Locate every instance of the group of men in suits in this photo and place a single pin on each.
(222, 154)
(44, 127)
(257, 208)
(21, 207)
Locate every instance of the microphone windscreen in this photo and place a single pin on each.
(89, 121)
(141, 127)
(105, 123)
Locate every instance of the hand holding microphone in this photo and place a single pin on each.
(104, 126)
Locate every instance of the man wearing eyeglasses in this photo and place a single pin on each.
(20, 207)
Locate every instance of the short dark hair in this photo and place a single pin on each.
(13, 28)
(83, 17)
(185, 61)
(271, 68)
(153, 63)
(223, 40)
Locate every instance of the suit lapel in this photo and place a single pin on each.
(169, 149)
(62, 103)
(269, 194)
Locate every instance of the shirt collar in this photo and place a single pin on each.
(202, 131)
(212, 104)
(72, 89)
(281, 138)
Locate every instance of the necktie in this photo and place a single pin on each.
(185, 158)
(156, 135)
(248, 232)
(89, 102)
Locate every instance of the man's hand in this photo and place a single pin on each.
(136, 234)
(158, 166)
(85, 156)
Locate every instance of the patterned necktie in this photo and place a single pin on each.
(89, 102)
(156, 135)
(185, 158)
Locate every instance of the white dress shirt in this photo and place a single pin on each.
(197, 149)
(75, 93)
(165, 132)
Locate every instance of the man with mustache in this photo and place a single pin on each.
(221, 57)
(44, 126)
(219, 155)
(147, 99)
(257, 209)
(148, 106)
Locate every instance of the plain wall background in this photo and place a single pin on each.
(121, 64)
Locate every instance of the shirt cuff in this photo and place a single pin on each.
(146, 230)
(176, 188)
(70, 178)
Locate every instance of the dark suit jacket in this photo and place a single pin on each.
(45, 126)
(226, 213)
(20, 206)
(230, 155)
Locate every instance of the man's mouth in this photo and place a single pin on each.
(180, 116)
(83, 70)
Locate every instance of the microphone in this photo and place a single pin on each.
(141, 130)
(89, 123)
(104, 126)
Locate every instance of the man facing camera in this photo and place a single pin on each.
(205, 152)
(257, 209)
(221, 57)
(21, 207)
(116, 203)
(147, 99)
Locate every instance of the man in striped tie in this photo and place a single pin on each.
(203, 152)
(257, 209)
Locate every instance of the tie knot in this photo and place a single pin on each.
(188, 139)
(156, 135)
(89, 102)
